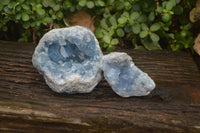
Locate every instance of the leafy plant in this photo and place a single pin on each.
(146, 22)
(153, 24)
(33, 16)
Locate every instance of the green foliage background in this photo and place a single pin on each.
(146, 24)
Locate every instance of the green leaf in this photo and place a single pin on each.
(47, 20)
(136, 6)
(144, 26)
(154, 37)
(144, 4)
(136, 29)
(68, 4)
(82, 2)
(40, 11)
(120, 32)
(103, 23)
(7, 10)
(122, 20)
(127, 5)
(90, 4)
(20, 1)
(151, 16)
(18, 8)
(155, 27)
(171, 35)
(45, 3)
(56, 7)
(175, 47)
(169, 5)
(166, 28)
(183, 33)
(109, 2)
(18, 16)
(105, 45)
(11, 4)
(187, 26)
(110, 48)
(25, 16)
(125, 14)
(166, 17)
(143, 34)
(118, 5)
(114, 41)
(53, 16)
(112, 20)
(38, 6)
(98, 32)
(106, 14)
(38, 23)
(134, 15)
(5, 2)
(142, 18)
(51, 12)
(60, 14)
(51, 3)
(26, 7)
(173, 2)
(127, 29)
(164, 4)
(111, 31)
(1, 6)
(149, 44)
(101, 3)
(159, 9)
(107, 39)
(178, 1)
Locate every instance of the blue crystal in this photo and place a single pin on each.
(124, 77)
(69, 59)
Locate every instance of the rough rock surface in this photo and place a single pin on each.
(69, 59)
(124, 77)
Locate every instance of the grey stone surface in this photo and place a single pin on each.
(124, 77)
(69, 59)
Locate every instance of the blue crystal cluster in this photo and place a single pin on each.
(124, 77)
(69, 59)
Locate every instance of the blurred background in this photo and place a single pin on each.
(118, 24)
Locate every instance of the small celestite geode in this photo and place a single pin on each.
(70, 59)
(124, 77)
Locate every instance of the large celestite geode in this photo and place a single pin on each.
(124, 77)
(70, 59)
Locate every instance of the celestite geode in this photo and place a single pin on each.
(70, 59)
(124, 77)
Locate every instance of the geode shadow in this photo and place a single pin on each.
(69, 59)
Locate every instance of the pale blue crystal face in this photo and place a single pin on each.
(70, 59)
(66, 53)
(124, 77)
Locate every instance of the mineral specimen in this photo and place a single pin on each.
(124, 77)
(69, 59)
